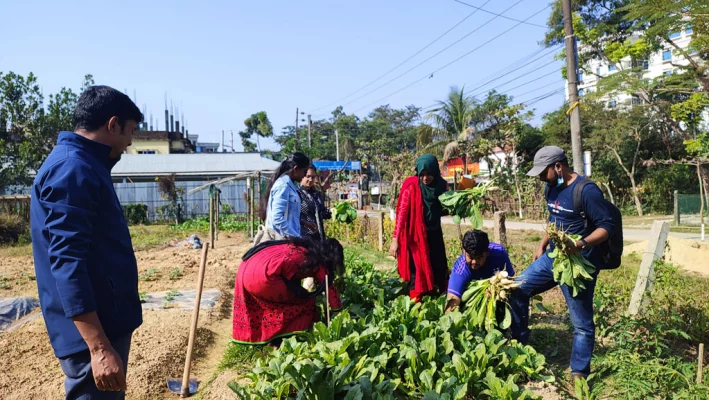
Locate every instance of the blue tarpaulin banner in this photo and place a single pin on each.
(337, 165)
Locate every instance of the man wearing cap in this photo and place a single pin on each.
(552, 167)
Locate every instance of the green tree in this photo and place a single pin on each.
(623, 33)
(23, 139)
(451, 117)
(259, 125)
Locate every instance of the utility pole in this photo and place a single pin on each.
(296, 127)
(223, 149)
(337, 144)
(310, 126)
(571, 77)
(232, 141)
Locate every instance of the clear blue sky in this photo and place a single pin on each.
(223, 60)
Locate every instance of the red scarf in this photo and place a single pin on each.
(412, 237)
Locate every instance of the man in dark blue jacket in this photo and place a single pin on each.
(87, 275)
(595, 225)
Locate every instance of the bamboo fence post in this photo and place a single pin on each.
(211, 219)
(700, 367)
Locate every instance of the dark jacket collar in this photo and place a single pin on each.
(99, 151)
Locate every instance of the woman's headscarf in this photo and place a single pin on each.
(431, 204)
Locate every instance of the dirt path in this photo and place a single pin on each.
(692, 255)
(30, 370)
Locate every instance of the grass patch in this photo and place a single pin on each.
(20, 250)
(240, 357)
(379, 259)
(142, 236)
(147, 236)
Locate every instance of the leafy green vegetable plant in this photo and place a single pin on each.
(344, 212)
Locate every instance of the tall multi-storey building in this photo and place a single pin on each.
(663, 62)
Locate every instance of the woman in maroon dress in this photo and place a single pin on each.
(269, 301)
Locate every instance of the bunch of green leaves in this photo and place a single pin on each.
(344, 212)
(398, 349)
(462, 204)
(482, 298)
(570, 270)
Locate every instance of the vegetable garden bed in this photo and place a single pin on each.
(387, 347)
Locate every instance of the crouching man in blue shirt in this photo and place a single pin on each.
(480, 260)
(87, 275)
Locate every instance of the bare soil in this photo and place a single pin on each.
(30, 370)
(691, 255)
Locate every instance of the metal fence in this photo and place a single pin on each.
(16, 205)
(193, 205)
(687, 210)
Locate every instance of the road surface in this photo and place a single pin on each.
(631, 235)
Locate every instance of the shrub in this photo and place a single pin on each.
(361, 231)
(136, 214)
(12, 228)
(226, 209)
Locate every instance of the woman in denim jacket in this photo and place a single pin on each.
(280, 207)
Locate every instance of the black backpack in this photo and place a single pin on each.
(615, 241)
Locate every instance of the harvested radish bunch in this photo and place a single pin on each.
(569, 270)
(482, 297)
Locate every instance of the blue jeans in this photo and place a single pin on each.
(79, 382)
(539, 278)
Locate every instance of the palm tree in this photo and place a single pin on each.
(451, 119)
(452, 116)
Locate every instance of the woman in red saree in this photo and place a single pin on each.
(269, 301)
(418, 239)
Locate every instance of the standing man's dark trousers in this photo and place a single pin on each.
(79, 382)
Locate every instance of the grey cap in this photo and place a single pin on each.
(545, 157)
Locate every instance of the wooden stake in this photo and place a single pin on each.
(700, 367)
(253, 207)
(500, 231)
(380, 227)
(646, 275)
(327, 298)
(211, 220)
(216, 212)
(258, 193)
(193, 326)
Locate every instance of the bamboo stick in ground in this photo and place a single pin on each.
(327, 298)
(700, 367)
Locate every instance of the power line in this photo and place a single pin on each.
(403, 62)
(555, 71)
(514, 70)
(510, 67)
(542, 97)
(503, 16)
(431, 57)
(533, 90)
(453, 61)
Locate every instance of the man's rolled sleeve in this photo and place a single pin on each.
(69, 194)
